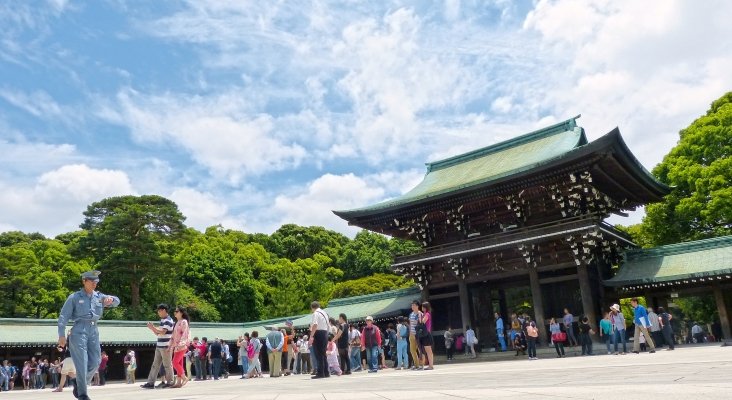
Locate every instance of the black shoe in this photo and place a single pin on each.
(84, 397)
(347, 373)
(652, 351)
(317, 377)
(148, 386)
(635, 352)
(75, 391)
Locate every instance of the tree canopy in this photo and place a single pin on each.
(699, 170)
(147, 256)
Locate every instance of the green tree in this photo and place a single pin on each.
(371, 284)
(220, 269)
(132, 238)
(370, 253)
(294, 242)
(699, 169)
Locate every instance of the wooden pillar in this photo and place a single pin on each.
(588, 303)
(503, 307)
(464, 303)
(537, 299)
(723, 314)
(425, 294)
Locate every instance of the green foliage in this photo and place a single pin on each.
(148, 256)
(370, 284)
(700, 309)
(699, 169)
(637, 234)
(370, 253)
(131, 239)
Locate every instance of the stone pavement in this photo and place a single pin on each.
(701, 372)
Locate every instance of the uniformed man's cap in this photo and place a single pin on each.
(91, 275)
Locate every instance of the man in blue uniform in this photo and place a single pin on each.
(84, 308)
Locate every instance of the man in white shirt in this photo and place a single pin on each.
(319, 339)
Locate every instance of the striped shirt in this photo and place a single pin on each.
(164, 338)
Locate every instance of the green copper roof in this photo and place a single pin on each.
(700, 259)
(489, 164)
(378, 305)
(26, 331)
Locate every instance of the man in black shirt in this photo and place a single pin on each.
(341, 339)
(215, 355)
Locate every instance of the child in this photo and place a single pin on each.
(642, 341)
(332, 353)
(519, 343)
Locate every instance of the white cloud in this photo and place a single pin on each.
(648, 67)
(54, 204)
(313, 204)
(203, 209)
(216, 131)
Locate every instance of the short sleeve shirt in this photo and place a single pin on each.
(321, 319)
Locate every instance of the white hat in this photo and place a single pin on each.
(370, 318)
(615, 307)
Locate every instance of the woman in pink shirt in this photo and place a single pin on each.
(179, 344)
(427, 341)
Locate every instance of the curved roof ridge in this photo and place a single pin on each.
(563, 126)
(680, 248)
(373, 296)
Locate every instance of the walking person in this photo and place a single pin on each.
(655, 327)
(606, 331)
(617, 319)
(568, 320)
(163, 332)
(370, 343)
(130, 363)
(640, 317)
(666, 328)
(67, 369)
(532, 336)
(341, 340)
(449, 343)
(274, 341)
(103, 369)
(84, 308)
(558, 337)
(426, 340)
(414, 318)
(319, 339)
(500, 331)
(470, 340)
(179, 342)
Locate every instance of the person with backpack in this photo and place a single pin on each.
(341, 340)
(470, 340)
(253, 349)
(354, 337)
(390, 342)
(243, 343)
(402, 344)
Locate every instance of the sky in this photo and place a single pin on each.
(252, 114)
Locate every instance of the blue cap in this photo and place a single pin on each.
(91, 275)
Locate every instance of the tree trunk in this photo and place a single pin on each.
(135, 298)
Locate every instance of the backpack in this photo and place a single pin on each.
(392, 338)
(403, 331)
(250, 349)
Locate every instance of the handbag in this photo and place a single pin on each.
(559, 337)
(422, 331)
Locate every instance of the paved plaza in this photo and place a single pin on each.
(687, 373)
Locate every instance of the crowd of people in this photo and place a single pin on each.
(337, 347)
(650, 329)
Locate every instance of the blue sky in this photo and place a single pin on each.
(254, 114)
